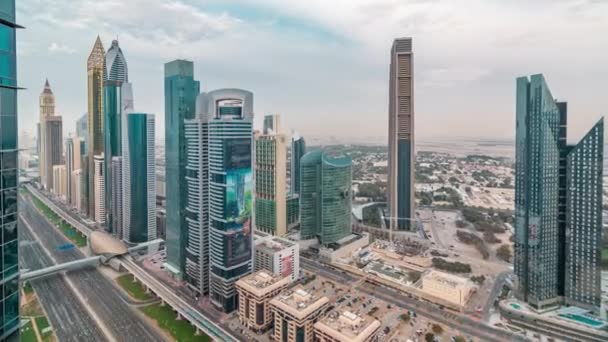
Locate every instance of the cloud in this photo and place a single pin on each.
(60, 48)
(327, 61)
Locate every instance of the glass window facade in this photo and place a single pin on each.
(181, 91)
(325, 197)
(9, 247)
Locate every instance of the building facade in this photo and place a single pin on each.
(325, 197)
(115, 75)
(9, 245)
(52, 148)
(558, 203)
(47, 109)
(227, 116)
(69, 168)
(270, 179)
(255, 292)
(59, 181)
(95, 78)
(82, 129)
(293, 211)
(181, 91)
(77, 189)
(139, 180)
(401, 154)
(277, 255)
(298, 150)
(99, 190)
(296, 311)
(116, 200)
(584, 221)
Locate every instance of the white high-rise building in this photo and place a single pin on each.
(99, 185)
(77, 189)
(59, 181)
(277, 255)
(117, 196)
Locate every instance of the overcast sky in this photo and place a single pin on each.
(323, 64)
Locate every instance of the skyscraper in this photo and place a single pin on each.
(270, 173)
(227, 116)
(196, 253)
(298, 149)
(77, 189)
(59, 181)
(69, 168)
(115, 75)
(9, 246)
(95, 72)
(82, 128)
(99, 189)
(116, 201)
(558, 203)
(584, 220)
(47, 110)
(139, 179)
(181, 91)
(401, 136)
(52, 148)
(325, 197)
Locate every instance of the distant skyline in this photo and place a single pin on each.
(324, 65)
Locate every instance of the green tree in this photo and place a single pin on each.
(437, 329)
(504, 252)
(429, 337)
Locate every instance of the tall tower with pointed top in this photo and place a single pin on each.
(47, 109)
(115, 77)
(95, 72)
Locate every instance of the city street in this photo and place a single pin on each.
(67, 315)
(121, 320)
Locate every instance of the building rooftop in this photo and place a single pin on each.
(270, 243)
(300, 301)
(262, 282)
(447, 279)
(345, 325)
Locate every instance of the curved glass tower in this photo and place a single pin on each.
(9, 246)
(115, 76)
(325, 197)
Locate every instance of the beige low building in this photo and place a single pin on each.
(59, 181)
(448, 287)
(343, 325)
(255, 291)
(295, 313)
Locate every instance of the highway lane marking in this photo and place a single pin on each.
(79, 295)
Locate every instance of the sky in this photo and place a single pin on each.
(323, 65)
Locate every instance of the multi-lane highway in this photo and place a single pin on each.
(455, 320)
(115, 317)
(67, 314)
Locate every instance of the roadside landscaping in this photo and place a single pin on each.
(70, 232)
(166, 318)
(133, 287)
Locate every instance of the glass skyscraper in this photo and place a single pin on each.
(139, 179)
(227, 118)
(116, 74)
(9, 246)
(181, 91)
(558, 200)
(298, 149)
(401, 154)
(325, 197)
(584, 220)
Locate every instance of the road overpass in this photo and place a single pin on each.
(60, 211)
